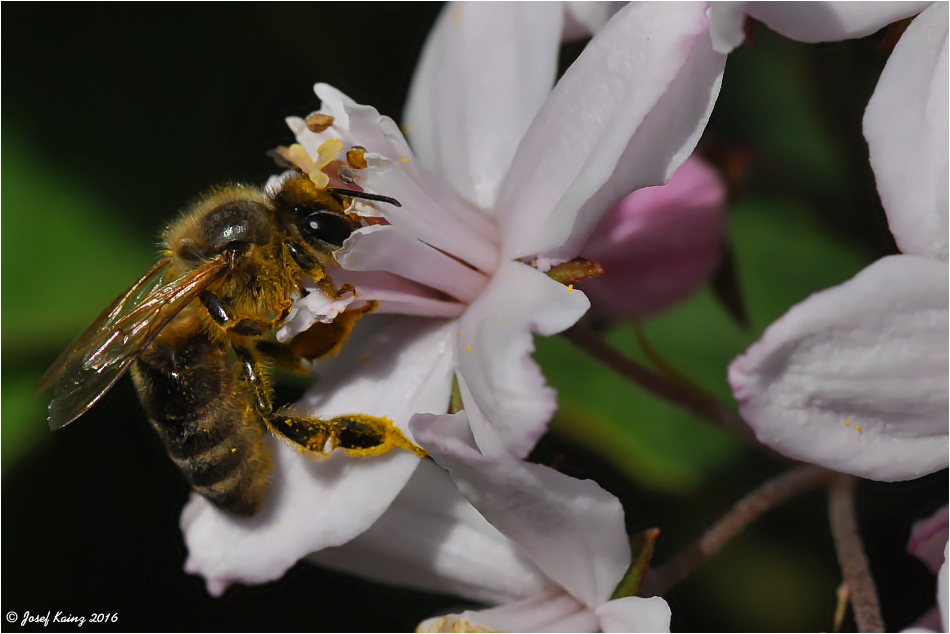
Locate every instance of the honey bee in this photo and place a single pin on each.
(231, 266)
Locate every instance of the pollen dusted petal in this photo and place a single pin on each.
(310, 504)
(854, 378)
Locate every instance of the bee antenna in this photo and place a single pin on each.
(358, 194)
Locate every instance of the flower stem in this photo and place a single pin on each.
(745, 511)
(695, 402)
(854, 564)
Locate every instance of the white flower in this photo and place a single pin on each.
(855, 377)
(505, 170)
(571, 529)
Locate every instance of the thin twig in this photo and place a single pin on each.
(854, 564)
(698, 403)
(745, 511)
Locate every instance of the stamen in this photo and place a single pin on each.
(355, 156)
(318, 122)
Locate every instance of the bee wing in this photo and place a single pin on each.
(146, 285)
(105, 351)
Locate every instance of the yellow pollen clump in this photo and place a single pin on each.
(498, 320)
(233, 449)
(365, 357)
(847, 421)
(857, 428)
(458, 333)
(570, 287)
(404, 159)
(468, 348)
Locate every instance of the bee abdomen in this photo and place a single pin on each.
(210, 430)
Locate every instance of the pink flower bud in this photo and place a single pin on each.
(658, 244)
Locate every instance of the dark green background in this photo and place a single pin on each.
(117, 115)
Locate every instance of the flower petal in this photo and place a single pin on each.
(726, 25)
(658, 244)
(830, 21)
(494, 347)
(484, 73)
(571, 529)
(312, 504)
(906, 128)
(431, 539)
(550, 611)
(386, 248)
(635, 614)
(855, 377)
(943, 592)
(585, 18)
(625, 115)
(928, 539)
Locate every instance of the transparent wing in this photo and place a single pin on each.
(99, 357)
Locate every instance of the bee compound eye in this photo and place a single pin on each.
(326, 227)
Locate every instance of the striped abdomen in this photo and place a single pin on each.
(212, 432)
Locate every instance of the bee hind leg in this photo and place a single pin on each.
(356, 434)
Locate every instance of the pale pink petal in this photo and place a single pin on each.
(311, 504)
(830, 21)
(658, 244)
(314, 307)
(855, 377)
(494, 349)
(906, 128)
(726, 25)
(431, 539)
(625, 115)
(584, 18)
(943, 592)
(571, 529)
(484, 73)
(398, 295)
(635, 614)
(550, 611)
(928, 539)
(386, 248)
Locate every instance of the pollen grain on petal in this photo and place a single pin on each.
(468, 348)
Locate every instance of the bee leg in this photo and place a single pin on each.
(314, 268)
(357, 434)
(219, 311)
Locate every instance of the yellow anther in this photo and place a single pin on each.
(318, 122)
(356, 158)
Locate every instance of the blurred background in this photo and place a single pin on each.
(117, 115)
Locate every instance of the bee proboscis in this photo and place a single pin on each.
(232, 264)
